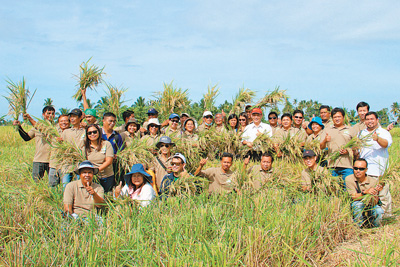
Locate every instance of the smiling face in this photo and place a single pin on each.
(189, 126)
(92, 133)
(371, 121)
(208, 119)
(153, 129)
(173, 123)
(273, 120)
(256, 118)
(177, 166)
(86, 176)
(137, 180)
(63, 122)
(360, 169)
(361, 112)
(242, 121)
(165, 149)
(338, 119)
(109, 123)
(286, 123)
(132, 128)
(49, 115)
(218, 119)
(324, 114)
(226, 163)
(75, 120)
(316, 128)
(90, 119)
(310, 162)
(233, 122)
(298, 119)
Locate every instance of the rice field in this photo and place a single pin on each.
(276, 226)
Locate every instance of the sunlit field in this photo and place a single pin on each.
(276, 226)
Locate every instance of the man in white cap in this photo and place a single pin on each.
(207, 121)
(178, 163)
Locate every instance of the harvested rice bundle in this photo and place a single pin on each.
(115, 98)
(68, 155)
(291, 147)
(89, 77)
(272, 98)
(191, 152)
(355, 143)
(263, 143)
(213, 143)
(136, 152)
(48, 129)
(187, 185)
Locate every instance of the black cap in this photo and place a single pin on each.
(308, 153)
(76, 111)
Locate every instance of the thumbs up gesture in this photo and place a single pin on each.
(89, 189)
(375, 136)
(328, 138)
(118, 188)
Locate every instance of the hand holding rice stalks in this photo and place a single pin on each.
(291, 147)
(355, 143)
(68, 155)
(89, 77)
(214, 143)
(48, 129)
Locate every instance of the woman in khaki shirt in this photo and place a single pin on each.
(101, 154)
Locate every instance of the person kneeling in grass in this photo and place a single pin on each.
(364, 191)
(312, 176)
(262, 174)
(178, 164)
(221, 178)
(81, 196)
(137, 186)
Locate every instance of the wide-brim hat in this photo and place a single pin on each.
(189, 119)
(153, 121)
(316, 120)
(164, 140)
(137, 168)
(130, 121)
(86, 165)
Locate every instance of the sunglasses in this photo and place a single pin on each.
(165, 145)
(92, 132)
(175, 121)
(298, 117)
(208, 117)
(153, 125)
(272, 118)
(242, 119)
(359, 169)
(176, 164)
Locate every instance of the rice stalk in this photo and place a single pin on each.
(355, 143)
(187, 185)
(136, 152)
(209, 97)
(263, 143)
(19, 98)
(243, 97)
(68, 155)
(89, 77)
(48, 129)
(291, 147)
(191, 153)
(272, 98)
(115, 98)
(170, 100)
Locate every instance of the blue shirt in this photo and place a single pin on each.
(115, 139)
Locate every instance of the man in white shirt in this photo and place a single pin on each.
(255, 129)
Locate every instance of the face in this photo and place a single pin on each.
(310, 162)
(153, 129)
(226, 163)
(90, 119)
(298, 119)
(184, 118)
(316, 128)
(256, 117)
(152, 116)
(109, 123)
(49, 115)
(266, 163)
(132, 128)
(361, 112)
(174, 123)
(233, 122)
(189, 126)
(371, 121)
(74, 119)
(242, 121)
(92, 133)
(63, 122)
(177, 165)
(360, 169)
(137, 179)
(86, 175)
(338, 119)
(208, 119)
(165, 148)
(324, 114)
(132, 116)
(273, 119)
(218, 119)
(286, 122)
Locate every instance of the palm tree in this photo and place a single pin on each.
(288, 108)
(395, 110)
(62, 111)
(90, 104)
(48, 102)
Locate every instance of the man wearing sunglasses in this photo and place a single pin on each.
(173, 128)
(178, 163)
(364, 190)
(311, 177)
(207, 121)
(273, 121)
(161, 164)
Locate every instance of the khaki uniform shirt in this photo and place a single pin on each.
(357, 128)
(274, 128)
(202, 128)
(259, 177)
(76, 194)
(42, 151)
(151, 140)
(339, 138)
(281, 134)
(159, 170)
(220, 129)
(219, 181)
(128, 137)
(351, 185)
(120, 129)
(314, 178)
(53, 160)
(99, 157)
(328, 123)
(190, 137)
(74, 136)
(168, 131)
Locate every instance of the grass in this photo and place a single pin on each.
(276, 226)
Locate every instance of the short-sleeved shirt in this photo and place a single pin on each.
(203, 128)
(328, 123)
(77, 195)
(219, 181)
(351, 185)
(127, 137)
(314, 178)
(98, 158)
(74, 136)
(115, 139)
(251, 130)
(357, 128)
(274, 128)
(259, 177)
(159, 170)
(168, 131)
(42, 146)
(339, 138)
(151, 140)
(298, 133)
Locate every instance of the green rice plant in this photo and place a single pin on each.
(19, 98)
(355, 143)
(271, 98)
(89, 77)
(210, 96)
(243, 97)
(170, 100)
(115, 98)
(68, 155)
(187, 185)
(291, 147)
(48, 129)
(136, 152)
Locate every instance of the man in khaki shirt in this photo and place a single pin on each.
(273, 121)
(364, 190)
(207, 121)
(261, 174)
(221, 178)
(81, 196)
(312, 178)
(337, 136)
(161, 164)
(42, 150)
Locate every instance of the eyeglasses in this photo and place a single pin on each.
(176, 164)
(242, 119)
(92, 132)
(175, 121)
(272, 118)
(298, 117)
(208, 117)
(165, 145)
(359, 169)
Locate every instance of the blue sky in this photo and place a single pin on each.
(336, 52)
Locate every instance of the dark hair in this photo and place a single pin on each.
(48, 108)
(62, 115)
(126, 114)
(267, 154)
(336, 110)
(244, 114)
(129, 123)
(372, 113)
(272, 113)
(247, 107)
(363, 160)
(298, 111)
(234, 116)
(99, 138)
(362, 104)
(328, 108)
(109, 114)
(286, 115)
(227, 155)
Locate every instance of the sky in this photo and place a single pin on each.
(337, 52)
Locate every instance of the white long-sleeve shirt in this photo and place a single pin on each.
(251, 130)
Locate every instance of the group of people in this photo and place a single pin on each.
(360, 169)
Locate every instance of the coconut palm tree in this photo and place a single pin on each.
(48, 102)
(395, 110)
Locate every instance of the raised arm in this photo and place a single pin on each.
(201, 165)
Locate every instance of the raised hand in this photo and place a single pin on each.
(203, 162)
(328, 138)
(89, 189)
(16, 123)
(375, 136)
(118, 189)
